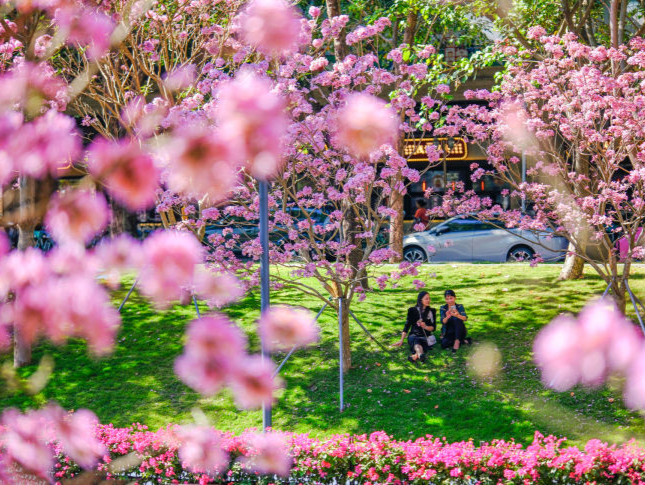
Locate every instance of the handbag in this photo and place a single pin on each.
(431, 339)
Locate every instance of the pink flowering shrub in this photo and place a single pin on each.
(162, 456)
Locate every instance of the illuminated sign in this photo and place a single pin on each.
(414, 149)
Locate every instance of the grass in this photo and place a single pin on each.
(507, 305)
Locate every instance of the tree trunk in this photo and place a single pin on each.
(573, 267)
(396, 226)
(340, 46)
(347, 350)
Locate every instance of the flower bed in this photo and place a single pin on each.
(152, 457)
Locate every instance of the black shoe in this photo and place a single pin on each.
(469, 340)
(431, 347)
(454, 351)
(423, 358)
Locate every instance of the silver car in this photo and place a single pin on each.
(467, 239)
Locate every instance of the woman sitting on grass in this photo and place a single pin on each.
(420, 324)
(453, 316)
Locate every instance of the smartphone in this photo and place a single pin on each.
(452, 308)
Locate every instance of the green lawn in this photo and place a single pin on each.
(507, 305)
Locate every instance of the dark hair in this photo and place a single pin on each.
(449, 293)
(421, 202)
(420, 297)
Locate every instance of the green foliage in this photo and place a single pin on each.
(384, 391)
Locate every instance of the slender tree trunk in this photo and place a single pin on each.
(340, 46)
(396, 226)
(573, 267)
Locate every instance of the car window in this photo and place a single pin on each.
(462, 225)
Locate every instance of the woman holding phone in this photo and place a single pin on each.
(453, 316)
(419, 325)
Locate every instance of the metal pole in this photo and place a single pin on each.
(523, 180)
(340, 347)
(128, 295)
(264, 279)
(633, 299)
(607, 289)
(196, 307)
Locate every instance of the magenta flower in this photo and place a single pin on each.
(268, 455)
(284, 327)
(128, 172)
(87, 27)
(364, 124)
(201, 450)
(76, 216)
(168, 265)
(271, 26)
(253, 382)
(76, 433)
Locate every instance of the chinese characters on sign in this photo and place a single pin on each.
(415, 148)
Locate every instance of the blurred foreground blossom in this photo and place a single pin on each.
(200, 450)
(213, 351)
(77, 216)
(218, 289)
(268, 455)
(202, 162)
(601, 341)
(128, 172)
(24, 441)
(284, 327)
(253, 382)
(364, 124)
(168, 265)
(271, 26)
(76, 433)
(251, 112)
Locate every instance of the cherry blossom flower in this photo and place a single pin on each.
(87, 27)
(249, 111)
(168, 265)
(77, 435)
(202, 162)
(213, 351)
(218, 290)
(76, 216)
(24, 441)
(201, 450)
(268, 455)
(271, 26)
(283, 327)
(364, 124)
(253, 382)
(128, 172)
(556, 353)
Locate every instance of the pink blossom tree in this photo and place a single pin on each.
(572, 115)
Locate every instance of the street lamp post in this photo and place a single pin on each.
(264, 279)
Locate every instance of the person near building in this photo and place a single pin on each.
(421, 214)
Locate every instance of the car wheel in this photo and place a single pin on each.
(414, 254)
(520, 253)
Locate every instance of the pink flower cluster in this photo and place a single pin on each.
(221, 457)
(215, 355)
(587, 349)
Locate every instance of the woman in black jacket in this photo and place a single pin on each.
(418, 327)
